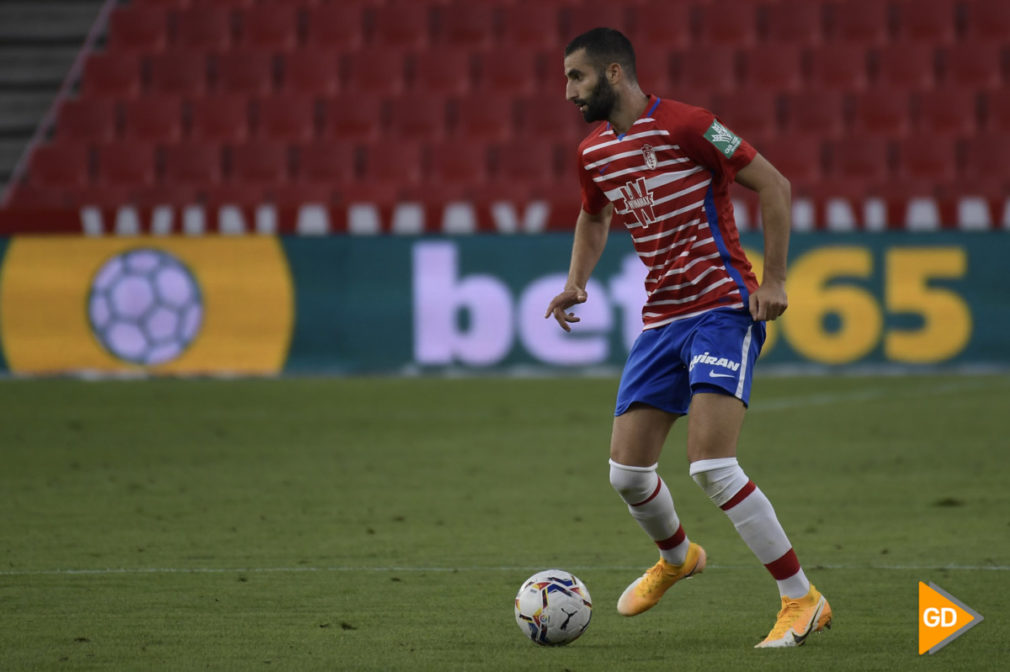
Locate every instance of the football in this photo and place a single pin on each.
(553, 607)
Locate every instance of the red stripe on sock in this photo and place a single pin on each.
(739, 496)
(673, 542)
(659, 485)
(785, 566)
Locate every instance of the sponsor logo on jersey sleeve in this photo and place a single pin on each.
(722, 138)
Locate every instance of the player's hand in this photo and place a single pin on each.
(562, 302)
(768, 302)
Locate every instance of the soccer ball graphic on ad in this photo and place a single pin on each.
(553, 607)
(145, 306)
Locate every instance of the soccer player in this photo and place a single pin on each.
(662, 168)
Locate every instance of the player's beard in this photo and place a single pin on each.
(600, 103)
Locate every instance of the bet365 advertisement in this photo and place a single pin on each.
(260, 305)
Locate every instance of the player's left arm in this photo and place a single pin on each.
(774, 198)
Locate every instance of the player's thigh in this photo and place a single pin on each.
(713, 426)
(639, 434)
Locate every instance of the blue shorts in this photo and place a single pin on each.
(714, 351)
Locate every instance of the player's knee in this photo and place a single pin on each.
(633, 484)
(720, 478)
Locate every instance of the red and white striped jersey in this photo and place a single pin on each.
(668, 179)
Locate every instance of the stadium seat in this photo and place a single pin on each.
(236, 194)
(927, 158)
(663, 23)
(706, 68)
(859, 22)
(402, 25)
(996, 106)
(393, 162)
(482, 120)
(376, 70)
(271, 26)
(297, 194)
(456, 163)
(984, 160)
(137, 28)
(353, 116)
(204, 28)
(178, 195)
(841, 67)
(164, 4)
(797, 22)
(529, 160)
(219, 119)
(973, 64)
(932, 22)
(179, 72)
(590, 14)
(329, 161)
(882, 112)
(777, 67)
(815, 112)
(516, 75)
(531, 25)
(750, 113)
(153, 118)
(469, 25)
(259, 162)
(192, 162)
(125, 163)
(905, 66)
(987, 20)
(860, 158)
(418, 117)
(947, 111)
(100, 195)
(442, 70)
(311, 70)
(286, 118)
(798, 157)
(653, 64)
(338, 25)
(111, 74)
(731, 23)
(552, 119)
(248, 72)
(59, 164)
(87, 119)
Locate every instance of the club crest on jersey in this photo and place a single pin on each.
(637, 200)
(650, 156)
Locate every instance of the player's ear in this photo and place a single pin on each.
(614, 73)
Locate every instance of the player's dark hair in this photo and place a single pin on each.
(605, 46)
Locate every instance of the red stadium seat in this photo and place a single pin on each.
(883, 112)
(865, 158)
(101, 195)
(987, 20)
(259, 162)
(932, 22)
(553, 119)
(393, 162)
(87, 120)
(195, 163)
(815, 112)
(326, 161)
(402, 25)
(531, 25)
(181, 72)
(153, 118)
(297, 194)
(272, 26)
(234, 194)
(419, 118)
(470, 25)
(750, 113)
(164, 4)
(662, 22)
(451, 162)
(517, 75)
(111, 74)
(247, 71)
(286, 118)
(59, 164)
(798, 157)
(778, 67)
(997, 110)
(336, 26)
(798, 22)
(153, 195)
(204, 28)
(532, 161)
(947, 111)
(859, 22)
(841, 67)
(731, 23)
(482, 120)
(376, 70)
(907, 66)
(927, 158)
(653, 63)
(125, 163)
(219, 119)
(442, 70)
(138, 28)
(973, 64)
(984, 159)
(706, 68)
(353, 116)
(591, 14)
(311, 71)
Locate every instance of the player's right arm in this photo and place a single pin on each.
(590, 239)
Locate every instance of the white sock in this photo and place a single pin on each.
(651, 505)
(752, 515)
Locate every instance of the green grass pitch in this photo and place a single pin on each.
(386, 524)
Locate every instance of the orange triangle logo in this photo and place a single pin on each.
(942, 618)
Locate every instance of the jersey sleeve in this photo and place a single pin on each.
(593, 198)
(711, 143)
